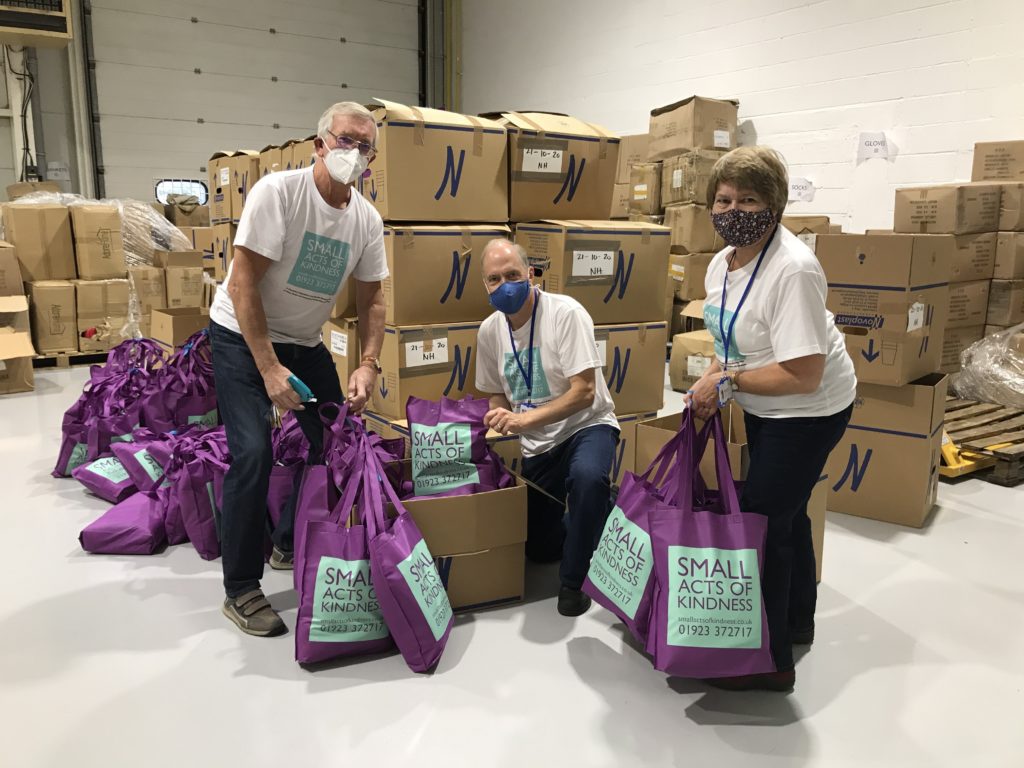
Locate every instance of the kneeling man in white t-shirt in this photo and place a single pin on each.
(538, 357)
(302, 234)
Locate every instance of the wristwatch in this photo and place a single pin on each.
(736, 381)
(373, 362)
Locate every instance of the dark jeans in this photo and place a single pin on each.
(787, 457)
(245, 410)
(577, 472)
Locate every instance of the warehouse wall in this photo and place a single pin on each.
(935, 75)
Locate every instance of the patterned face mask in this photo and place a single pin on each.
(742, 228)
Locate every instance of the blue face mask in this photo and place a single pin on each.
(510, 297)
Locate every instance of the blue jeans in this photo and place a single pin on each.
(787, 457)
(578, 473)
(245, 410)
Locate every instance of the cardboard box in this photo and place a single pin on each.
(202, 241)
(434, 165)
(693, 123)
(620, 201)
(245, 172)
(102, 312)
(1009, 256)
(188, 216)
(559, 167)
(670, 302)
(890, 296)
(968, 304)
(1006, 303)
(341, 338)
(218, 167)
(645, 188)
(477, 542)
(644, 218)
(688, 272)
(427, 362)
(632, 150)
(954, 209)
(271, 160)
(184, 286)
(172, 327)
(345, 302)
(998, 161)
(151, 289)
(692, 354)
(955, 342)
(807, 228)
(625, 452)
(99, 246)
(435, 273)
(1011, 207)
(634, 364)
(692, 230)
(613, 268)
(54, 316)
(991, 329)
(164, 259)
(223, 249)
(23, 188)
(685, 177)
(16, 350)
(10, 271)
(41, 234)
(886, 465)
(302, 151)
(974, 257)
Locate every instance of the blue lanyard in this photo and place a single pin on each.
(528, 371)
(727, 336)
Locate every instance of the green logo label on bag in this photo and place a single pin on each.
(714, 598)
(621, 565)
(442, 458)
(321, 264)
(110, 468)
(78, 457)
(345, 607)
(123, 438)
(208, 419)
(148, 463)
(421, 575)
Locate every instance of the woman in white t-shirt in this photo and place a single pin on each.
(780, 355)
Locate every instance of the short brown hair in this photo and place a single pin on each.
(761, 169)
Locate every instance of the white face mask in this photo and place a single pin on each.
(345, 165)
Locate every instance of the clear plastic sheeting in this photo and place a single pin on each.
(143, 230)
(993, 369)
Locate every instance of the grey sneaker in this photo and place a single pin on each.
(253, 614)
(281, 560)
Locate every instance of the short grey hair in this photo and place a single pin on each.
(500, 241)
(344, 109)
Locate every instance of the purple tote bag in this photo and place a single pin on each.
(133, 527)
(107, 478)
(449, 447)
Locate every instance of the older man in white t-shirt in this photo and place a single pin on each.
(538, 357)
(302, 234)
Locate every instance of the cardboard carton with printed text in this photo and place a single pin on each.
(245, 172)
(692, 354)
(954, 209)
(223, 249)
(645, 189)
(151, 288)
(1011, 207)
(201, 239)
(16, 350)
(890, 297)
(54, 318)
(974, 257)
(693, 123)
(685, 177)
(807, 228)
(99, 245)
(968, 304)
(102, 312)
(11, 281)
(632, 150)
(633, 357)
(625, 451)
(41, 234)
(184, 286)
(1006, 303)
(620, 201)
(435, 273)
(689, 272)
(271, 160)
(219, 170)
(998, 161)
(615, 269)
(301, 154)
(1009, 256)
(692, 230)
(886, 465)
(434, 165)
(341, 337)
(955, 342)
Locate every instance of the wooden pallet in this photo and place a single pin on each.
(69, 359)
(984, 436)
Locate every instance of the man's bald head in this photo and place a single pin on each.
(504, 247)
(504, 261)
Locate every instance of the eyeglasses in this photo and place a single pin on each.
(347, 142)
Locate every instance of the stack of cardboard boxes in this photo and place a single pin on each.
(16, 350)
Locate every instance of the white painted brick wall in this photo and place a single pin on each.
(935, 75)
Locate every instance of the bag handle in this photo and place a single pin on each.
(723, 469)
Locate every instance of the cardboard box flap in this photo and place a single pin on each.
(222, 153)
(694, 309)
(15, 345)
(452, 229)
(392, 110)
(552, 122)
(630, 227)
(12, 304)
(269, 148)
(676, 105)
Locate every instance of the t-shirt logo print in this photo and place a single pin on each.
(711, 322)
(321, 264)
(516, 382)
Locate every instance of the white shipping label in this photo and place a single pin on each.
(602, 350)
(3, 366)
(677, 178)
(810, 239)
(639, 191)
(426, 352)
(915, 317)
(593, 263)
(722, 140)
(697, 365)
(339, 343)
(225, 176)
(542, 160)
